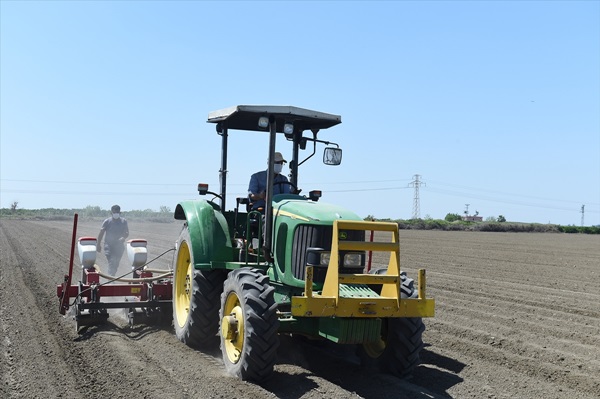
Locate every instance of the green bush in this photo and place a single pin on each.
(89, 212)
(435, 224)
(496, 226)
(579, 229)
(491, 227)
(452, 222)
(452, 217)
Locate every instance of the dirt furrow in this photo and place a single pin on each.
(516, 316)
(489, 357)
(34, 345)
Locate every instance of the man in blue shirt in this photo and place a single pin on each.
(258, 183)
(116, 230)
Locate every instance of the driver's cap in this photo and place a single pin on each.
(279, 157)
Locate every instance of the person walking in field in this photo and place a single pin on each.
(116, 230)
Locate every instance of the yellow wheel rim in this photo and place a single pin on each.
(184, 277)
(374, 349)
(232, 328)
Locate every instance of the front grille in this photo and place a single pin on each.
(307, 236)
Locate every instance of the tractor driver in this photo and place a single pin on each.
(258, 184)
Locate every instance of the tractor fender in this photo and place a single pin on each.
(209, 233)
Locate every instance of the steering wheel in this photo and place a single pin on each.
(295, 191)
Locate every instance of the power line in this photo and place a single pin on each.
(479, 189)
(416, 198)
(367, 189)
(495, 199)
(59, 192)
(187, 184)
(95, 183)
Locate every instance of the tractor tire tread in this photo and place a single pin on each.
(261, 325)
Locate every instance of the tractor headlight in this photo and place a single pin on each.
(321, 257)
(317, 257)
(353, 259)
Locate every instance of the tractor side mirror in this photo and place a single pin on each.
(332, 156)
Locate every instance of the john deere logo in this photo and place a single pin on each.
(343, 235)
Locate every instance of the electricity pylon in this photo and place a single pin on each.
(416, 183)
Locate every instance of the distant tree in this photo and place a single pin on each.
(452, 217)
(370, 218)
(501, 219)
(13, 206)
(490, 219)
(165, 209)
(91, 211)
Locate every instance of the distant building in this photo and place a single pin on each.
(473, 218)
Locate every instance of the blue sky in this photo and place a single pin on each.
(493, 104)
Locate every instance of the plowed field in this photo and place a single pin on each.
(517, 316)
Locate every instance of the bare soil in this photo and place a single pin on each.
(517, 316)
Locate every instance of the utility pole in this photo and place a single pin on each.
(582, 212)
(416, 183)
(467, 209)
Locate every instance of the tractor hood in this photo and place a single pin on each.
(310, 211)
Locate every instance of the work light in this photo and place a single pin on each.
(288, 128)
(263, 122)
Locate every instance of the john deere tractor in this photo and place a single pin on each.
(298, 266)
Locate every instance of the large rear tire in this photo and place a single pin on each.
(397, 352)
(195, 297)
(249, 325)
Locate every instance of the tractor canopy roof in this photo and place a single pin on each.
(246, 117)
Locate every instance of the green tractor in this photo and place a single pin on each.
(245, 276)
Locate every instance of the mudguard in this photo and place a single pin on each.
(209, 232)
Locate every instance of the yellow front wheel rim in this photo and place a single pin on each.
(374, 349)
(232, 328)
(183, 284)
